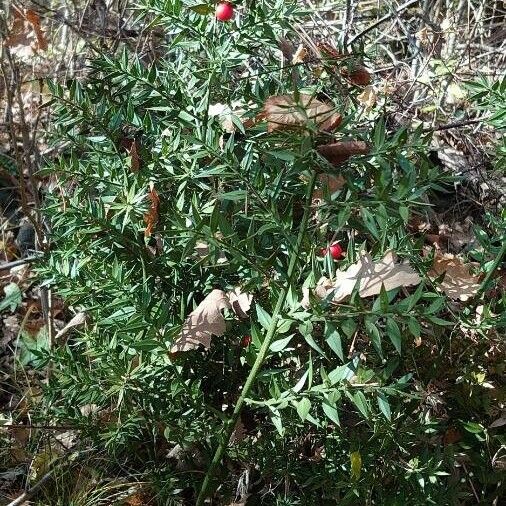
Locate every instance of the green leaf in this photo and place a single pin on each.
(300, 384)
(276, 420)
(305, 330)
(331, 412)
(202, 9)
(13, 297)
(384, 406)
(303, 408)
(349, 327)
(473, 427)
(404, 213)
(414, 327)
(280, 344)
(439, 321)
(356, 465)
(264, 318)
(394, 333)
(358, 398)
(374, 334)
(333, 339)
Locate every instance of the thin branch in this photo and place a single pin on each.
(455, 124)
(386, 17)
(17, 263)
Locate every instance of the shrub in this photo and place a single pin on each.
(178, 181)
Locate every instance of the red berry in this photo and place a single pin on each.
(245, 341)
(224, 11)
(336, 252)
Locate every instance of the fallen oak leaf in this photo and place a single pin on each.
(284, 112)
(338, 152)
(206, 320)
(458, 282)
(370, 276)
(202, 323)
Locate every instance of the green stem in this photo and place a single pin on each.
(264, 348)
(493, 268)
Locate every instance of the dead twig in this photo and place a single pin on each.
(380, 21)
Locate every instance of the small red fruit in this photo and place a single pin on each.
(245, 341)
(224, 11)
(336, 252)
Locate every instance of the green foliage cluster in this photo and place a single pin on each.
(352, 405)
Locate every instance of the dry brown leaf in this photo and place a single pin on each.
(359, 76)
(151, 217)
(240, 302)
(133, 152)
(283, 112)
(368, 97)
(329, 51)
(333, 183)
(76, 322)
(338, 152)
(300, 55)
(458, 282)
(370, 277)
(25, 34)
(207, 320)
(204, 322)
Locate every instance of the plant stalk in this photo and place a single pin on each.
(264, 348)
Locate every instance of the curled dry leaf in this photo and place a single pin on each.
(300, 55)
(368, 97)
(207, 320)
(151, 217)
(328, 51)
(338, 152)
(370, 277)
(240, 302)
(458, 282)
(358, 76)
(283, 112)
(76, 322)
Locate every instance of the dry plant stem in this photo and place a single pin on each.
(25, 496)
(383, 19)
(262, 353)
